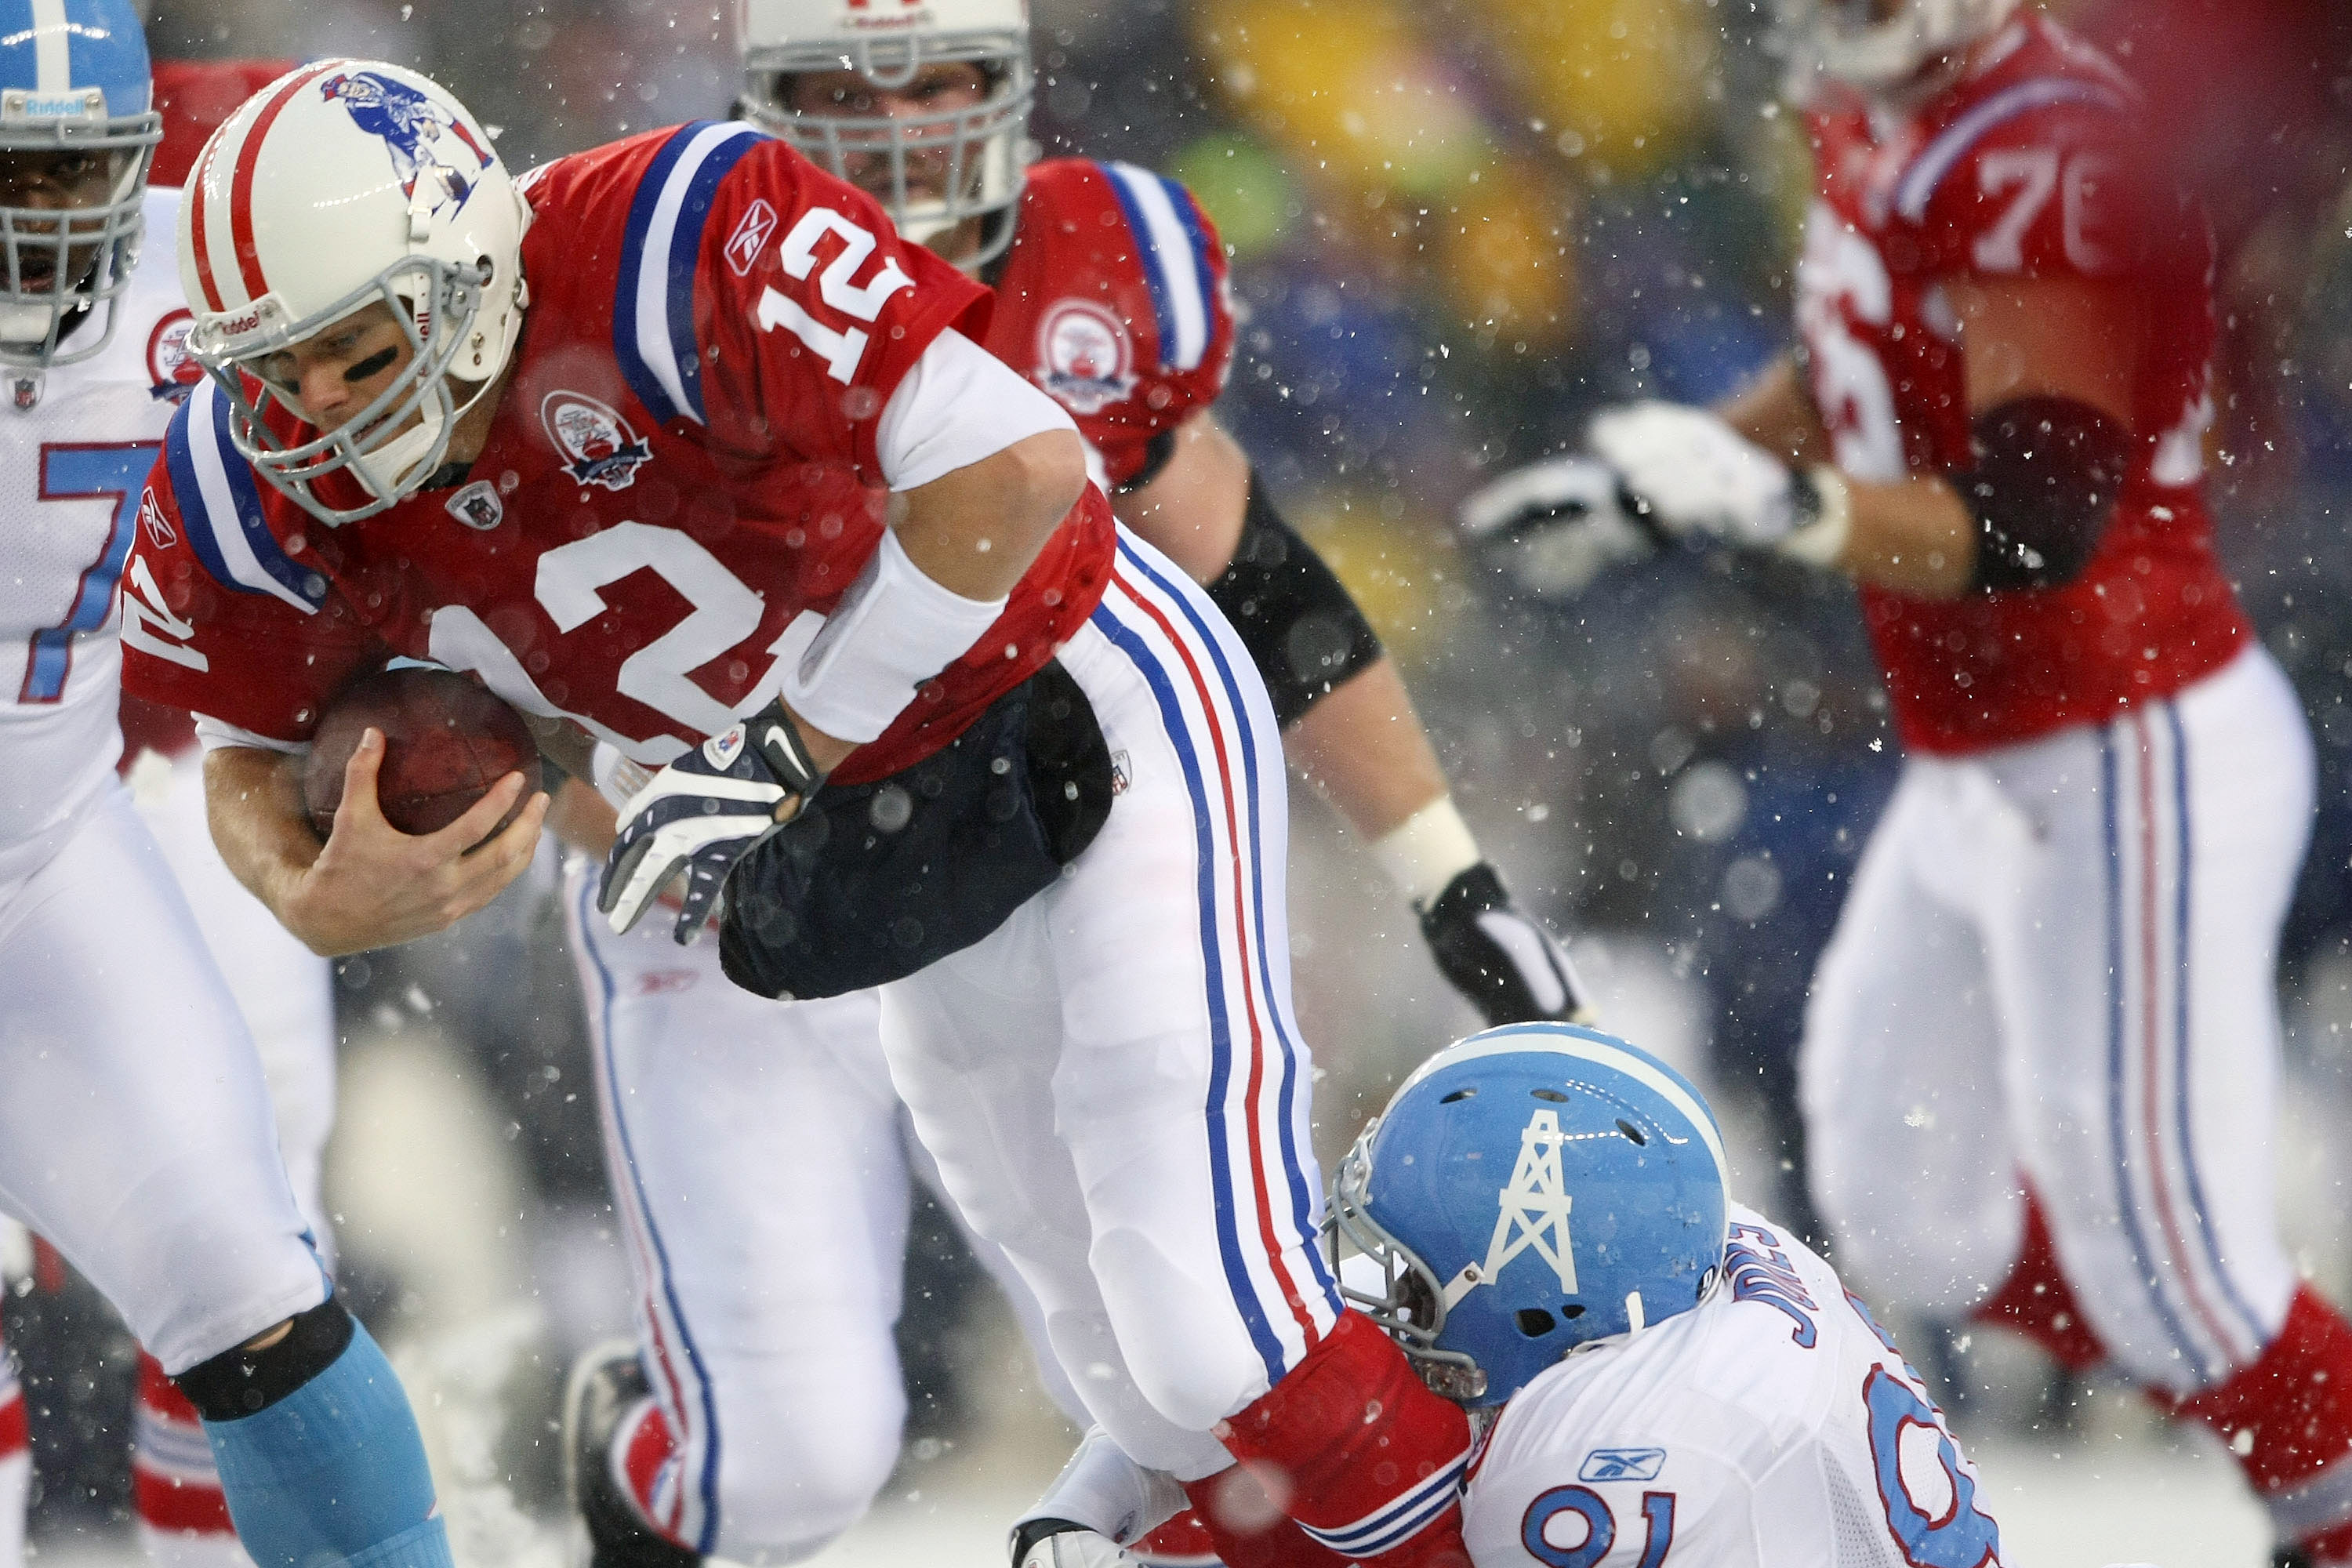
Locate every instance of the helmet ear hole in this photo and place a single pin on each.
(1535, 1323)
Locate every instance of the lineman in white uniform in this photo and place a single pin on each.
(137, 1132)
(1659, 1375)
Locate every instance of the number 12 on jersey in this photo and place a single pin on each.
(111, 470)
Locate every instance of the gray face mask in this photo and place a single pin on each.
(58, 264)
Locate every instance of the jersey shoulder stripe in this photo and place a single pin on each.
(653, 309)
(220, 506)
(1917, 186)
(1174, 245)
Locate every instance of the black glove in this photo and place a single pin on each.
(1510, 968)
(702, 812)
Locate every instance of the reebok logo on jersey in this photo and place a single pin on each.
(750, 236)
(1622, 1465)
(160, 532)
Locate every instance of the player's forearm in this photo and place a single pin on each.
(976, 529)
(1777, 412)
(1363, 749)
(1911, 537)
(253, 800)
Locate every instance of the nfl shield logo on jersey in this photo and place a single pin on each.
(1085, 357)
(603, 448)
(478, 506)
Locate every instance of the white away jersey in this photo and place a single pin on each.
(72, 465)
(1772, 1426)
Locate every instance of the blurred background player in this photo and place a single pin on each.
(142, 1143)
(1152, 971)
(2051, 1000)
(1111, 295)
(1657, 1374)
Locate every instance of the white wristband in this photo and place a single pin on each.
(1427, 850)
(849, 674)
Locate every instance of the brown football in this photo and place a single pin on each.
(446, 742)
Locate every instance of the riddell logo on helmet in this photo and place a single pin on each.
(876, 14)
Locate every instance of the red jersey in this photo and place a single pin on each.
(2025, 168)
(682, 463)
(1113, 300)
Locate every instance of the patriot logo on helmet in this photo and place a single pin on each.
(413, 127)
(604, 450)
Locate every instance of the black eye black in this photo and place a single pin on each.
(375, 362)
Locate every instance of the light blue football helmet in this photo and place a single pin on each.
(73, 78)
(1530, 1190)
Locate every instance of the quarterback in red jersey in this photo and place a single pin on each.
(748, 502)
(2040, 1054)
(1110, 296)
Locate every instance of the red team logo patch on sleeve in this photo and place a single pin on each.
(603, 448)
(168, 365)
(1085, 357)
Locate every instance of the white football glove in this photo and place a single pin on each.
(1689, 473)
(1552, 527)
(701, 813)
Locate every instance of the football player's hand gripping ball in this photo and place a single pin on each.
(1550, 528)
(1503, 959)
(701, 813)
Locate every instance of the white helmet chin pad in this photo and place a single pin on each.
(983, 146)
(1848, 40)
(340, 186)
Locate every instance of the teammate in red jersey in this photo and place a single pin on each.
(2040, 1056)
(747, 483)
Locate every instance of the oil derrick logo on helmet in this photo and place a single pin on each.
(603, 448)
(413, 127)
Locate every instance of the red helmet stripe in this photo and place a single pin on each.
(197, 177)
(240, 189)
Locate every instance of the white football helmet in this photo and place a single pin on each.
(341, 184)
(889, 42)
(1874, 44)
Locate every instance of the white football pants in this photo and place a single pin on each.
(1113, 1085)
(2058, 963)
(136, 1132)
(759, 1161)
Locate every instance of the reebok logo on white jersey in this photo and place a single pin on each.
(1622, 1465)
